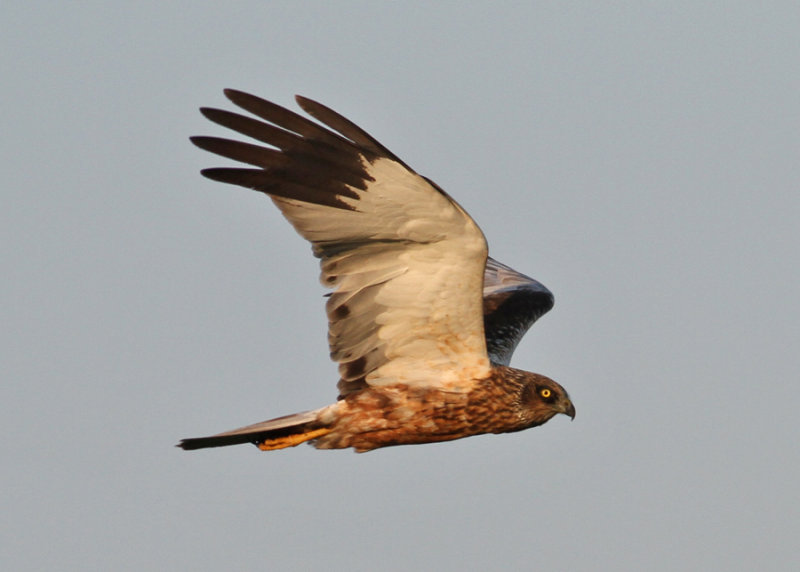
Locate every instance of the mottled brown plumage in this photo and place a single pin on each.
(421, 321)
(509, 400)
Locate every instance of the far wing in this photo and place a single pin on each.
(512, 302)
(405, 261)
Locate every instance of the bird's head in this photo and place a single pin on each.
(542, 398)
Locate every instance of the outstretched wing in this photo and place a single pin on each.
(512, 302)
(405, 261)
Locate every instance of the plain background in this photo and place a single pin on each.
(640, 159)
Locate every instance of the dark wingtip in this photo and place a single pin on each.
(234, 94)
(206, 111)
(317, 110)
(224, 174)
(199, 141)
(212, 173)
(240, 97)
(214, 145)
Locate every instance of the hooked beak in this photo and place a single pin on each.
(569, 409)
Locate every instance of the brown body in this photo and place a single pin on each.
(400, 415)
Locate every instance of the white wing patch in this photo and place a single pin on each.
(407, 300)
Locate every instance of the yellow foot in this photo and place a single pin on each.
(292, 440)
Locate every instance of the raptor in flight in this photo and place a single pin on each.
(421, 321)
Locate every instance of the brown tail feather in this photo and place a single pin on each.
(277, 433)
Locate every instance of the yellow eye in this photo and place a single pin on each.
(545, 393)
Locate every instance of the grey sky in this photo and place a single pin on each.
(641, 161)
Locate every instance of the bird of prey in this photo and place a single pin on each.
(420, 320)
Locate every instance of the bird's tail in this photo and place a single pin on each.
(278, 433)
